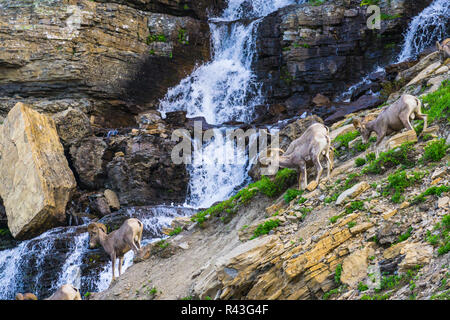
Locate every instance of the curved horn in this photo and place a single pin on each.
(95, 225)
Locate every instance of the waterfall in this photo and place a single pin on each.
(431, 25)
(223, 90)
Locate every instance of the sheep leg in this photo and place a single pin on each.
(319, 168)
(329, 164)
(120, 265)
(423, 117)
(302, 183)
(113, 261)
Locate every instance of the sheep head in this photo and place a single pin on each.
(360, 125)
(94, 230)
(444, 49)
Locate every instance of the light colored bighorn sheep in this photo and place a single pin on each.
(117, 243)
(314, 143)
(26, 296)
(66, 292)
(394, 118)
(444, 49)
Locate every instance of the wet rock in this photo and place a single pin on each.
(72, 125)
(88, 161)
(364, 102)
(36, 182)
(112, 199)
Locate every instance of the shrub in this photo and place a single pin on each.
(344, 139)
(337, 274)
(398, 182)
(438, 106)
(441, 237)
(291, 194)
(176, 231)
(359, 162)
(362, 287)
(265, 228)
(435, 150)
(355, 205)
(401, 155)
(430, 191)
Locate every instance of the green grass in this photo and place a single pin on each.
(344, 139)
(355, 205)
(402, 155)
(434, 190)
(441, 235)
(359, 162)
(291, 194)
(270, 188)
(176, 231)
(399, 181)
(404, 236)
(265, 228)
(435, 150)
(362, 287)
(156, 38)
(337, 274)
(438, 103)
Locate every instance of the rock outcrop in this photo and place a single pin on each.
(109, 60)
(305, 50)
(35, 180)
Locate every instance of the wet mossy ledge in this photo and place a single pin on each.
(266, 186)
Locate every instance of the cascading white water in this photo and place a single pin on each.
(223, 90)
(431, 25)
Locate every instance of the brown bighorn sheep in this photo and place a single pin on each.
(66, 292)
(117, 243)
(314, 143)
(394, 118)
(26, 296)
(444, 49)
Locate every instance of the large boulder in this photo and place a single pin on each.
(35, 180)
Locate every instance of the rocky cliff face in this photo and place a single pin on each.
(94, 56)
(305, 50)
(377, 229)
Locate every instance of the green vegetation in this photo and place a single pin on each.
(441, 235)
(362, 287)
(337, 274)
(401, 155)
(87, 294)
(391, 87)
(176, 231)
(437, 191)
(404, 236)
(369, 2)
(438, 106)
(283, 179)
(291, 194)
(344, 139)
(441, 296)
(435, 150)
(376, 297)
(385, 16)
(355, 205)
(399, 181)
(265, 228)
(163, 244)
(183, 37)
(359, 162)
(316, 2)
(351, 224)
(156, 38)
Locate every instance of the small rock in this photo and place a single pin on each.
(443, 202)
(312, 186)
(353, 192)
(389, 214)
(112, 199)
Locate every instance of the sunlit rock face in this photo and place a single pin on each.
(36, 182)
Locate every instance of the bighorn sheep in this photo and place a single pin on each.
(392, 119)
(444, 49)
(117, 243)
(26, 296)
(314, 143)
(66, 292)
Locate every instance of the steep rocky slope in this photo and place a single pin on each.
(377, 229)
